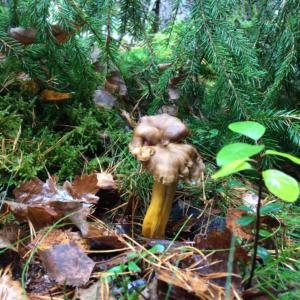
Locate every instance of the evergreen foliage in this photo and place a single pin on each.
(231, 66)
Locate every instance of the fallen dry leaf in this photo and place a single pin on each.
(22, 76)
(10, 289)
(216, 262)
(164, 66)
(8, 235)
(104, 238)
(93, 292)
(122, 258)
(173, 91)
(37, 279)
(245, 232)
(51, 95)
(44, 202)
(105, 181)
(218, 239)
(192, 282)
(255, 294)
(103, 99)
(171, 110)
(232, 216)
(61, 35)
(45, 240)
(67, 264)
(91, 184)
(27, 83)
(30, 86)
(174, 226)
(115, 84)
(25, 36)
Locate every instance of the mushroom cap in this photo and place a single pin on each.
(171, 162)
(158, 129)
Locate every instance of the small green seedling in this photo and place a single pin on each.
(121, 274)
(237, 157)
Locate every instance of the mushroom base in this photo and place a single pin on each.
(158, 213)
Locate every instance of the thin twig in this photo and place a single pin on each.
(257, 226)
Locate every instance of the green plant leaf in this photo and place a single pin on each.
(245, 208)
(293, 158)
(274, 206)
(237, 151)
(117, 269)
(132, 255)
(251, 129)
(281, 185)
(133, 267)
(264, 254)
(158, 248)
(245, 220)
(231, 168)
(264, 233)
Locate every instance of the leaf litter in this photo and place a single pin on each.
(73, 253)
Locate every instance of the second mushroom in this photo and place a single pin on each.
(154, 144)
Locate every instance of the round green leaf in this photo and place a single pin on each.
(264, 233)
(158, 248)
(237, 151)
(270, 208)
(234, 167)
(264, 254)
(133, 267)
(281, 185)
(251, 129)
(293, 158)
(245, 220)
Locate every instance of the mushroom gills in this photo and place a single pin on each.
(158, 213)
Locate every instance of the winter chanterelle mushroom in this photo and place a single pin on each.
(154, 145)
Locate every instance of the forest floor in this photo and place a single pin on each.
(82, 240)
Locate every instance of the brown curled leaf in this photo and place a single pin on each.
(25, 36)
(194, 283)
(115, 84)
(173, 90)
(94, 292)
(103, 99)
(8, 235)
(164, 66)
(171, 110)
(67, 264)
(103, 237)
(47, 239)
(61, 35)
(45, 202)
(51, 95)
(216, 262)
(232, 217)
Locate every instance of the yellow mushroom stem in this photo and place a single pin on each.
(158, 213)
